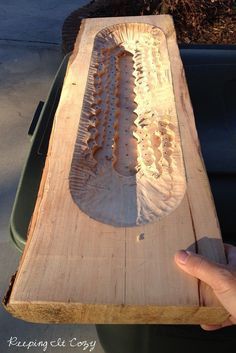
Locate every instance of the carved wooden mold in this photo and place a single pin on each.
(127, 167)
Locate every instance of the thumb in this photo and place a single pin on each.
(217, 276)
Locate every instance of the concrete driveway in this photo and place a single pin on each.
(30, 54)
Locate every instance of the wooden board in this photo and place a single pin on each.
(115, 269)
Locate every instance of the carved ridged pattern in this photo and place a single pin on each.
(127, 167)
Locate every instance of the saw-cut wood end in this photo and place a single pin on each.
(127, 166)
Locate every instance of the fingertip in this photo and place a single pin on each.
(210, 327)
(230, 253)
(227, 245)
(182, 256)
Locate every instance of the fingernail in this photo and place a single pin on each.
(182, 256)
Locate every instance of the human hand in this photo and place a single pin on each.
(221, 278)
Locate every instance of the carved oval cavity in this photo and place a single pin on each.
(127, 167)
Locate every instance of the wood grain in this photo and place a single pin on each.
(79, 270)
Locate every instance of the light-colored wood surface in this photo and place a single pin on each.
(76, 269)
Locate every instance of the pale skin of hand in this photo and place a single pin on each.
(221, 278)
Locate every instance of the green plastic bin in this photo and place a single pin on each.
(28, 186)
